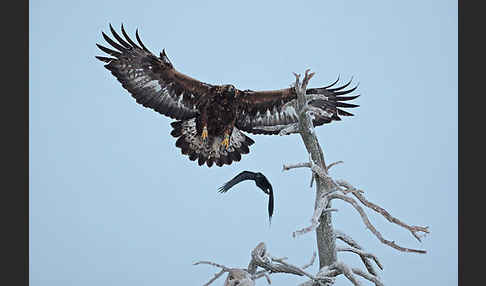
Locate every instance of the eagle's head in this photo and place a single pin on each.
(229, 90)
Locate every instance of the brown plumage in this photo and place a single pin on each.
(211, 118)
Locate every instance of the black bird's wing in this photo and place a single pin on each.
(245, 175)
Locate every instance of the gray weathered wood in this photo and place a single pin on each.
(326, 242)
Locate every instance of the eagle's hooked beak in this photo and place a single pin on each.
(231, 90)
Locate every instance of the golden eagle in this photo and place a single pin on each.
(211, 118)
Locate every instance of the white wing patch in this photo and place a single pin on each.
(285, 117)
(275, 121)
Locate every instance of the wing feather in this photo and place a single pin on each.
(109, 51)
(269, 112)
(104, 59)
(113, 43)
(245, 175)
(339, 88)
(119, 39)
(151, 80)
(140, 41)
(132, 43)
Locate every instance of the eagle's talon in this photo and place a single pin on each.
(225, 142)
(204, 134)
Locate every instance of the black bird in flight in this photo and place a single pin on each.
(260, 180)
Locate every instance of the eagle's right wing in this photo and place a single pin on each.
(152, 80)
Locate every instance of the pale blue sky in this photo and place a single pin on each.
(113, 202)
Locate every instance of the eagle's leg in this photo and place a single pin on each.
(227, 133)
(204, 123)
(226, 139)
(204, 134)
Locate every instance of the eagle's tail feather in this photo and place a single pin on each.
(209, 151)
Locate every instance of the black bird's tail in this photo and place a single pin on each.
(270, 205)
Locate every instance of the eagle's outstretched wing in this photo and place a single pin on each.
(268, 112)
(245, 175)
(152, 80)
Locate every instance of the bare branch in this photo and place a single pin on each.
(211, 263)
(262, 273)
(297, 79)
(321, 172)
(347, 272)
(306, 79)
(315, 168)
(293, 166)
(267, 277)
(347, 239)
(328, 271)
(261, 258)
(291, 129)
(216, 276)
(338, 268)
(333, 164)
(235, 276)
(258, 251)
(314, 221)
(413, 229)
(298, 270)
(319, 209)
(361, 253)
(353, 191)
(311, 262)
(350, 189)
(300, 165)
(370, 226)
(311, 97)
(238, 277)
(370, 277)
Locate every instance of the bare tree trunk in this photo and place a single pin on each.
(326, 242)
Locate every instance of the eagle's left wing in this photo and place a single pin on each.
(151, 80)
(268, 112)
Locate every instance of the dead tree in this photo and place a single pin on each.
(327, 189)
